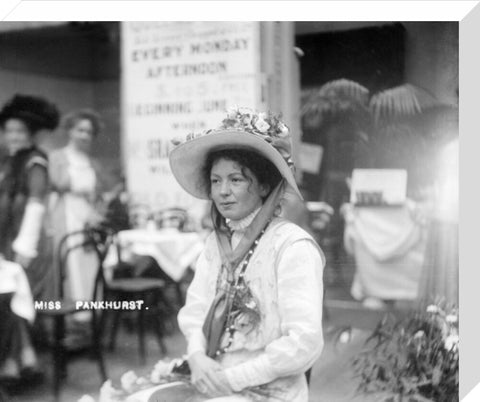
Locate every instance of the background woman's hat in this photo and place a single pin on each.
(35, 111)
(243, 128)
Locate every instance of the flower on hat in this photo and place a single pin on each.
(249, 120)
(282, 130)
(261, 125)
(232, 113)
(266, 125)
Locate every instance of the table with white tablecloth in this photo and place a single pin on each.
(389, 249)
(13, 280)
(173, 250)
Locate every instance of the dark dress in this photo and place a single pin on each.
(22, 176)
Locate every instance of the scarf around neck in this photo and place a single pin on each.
(214, 325)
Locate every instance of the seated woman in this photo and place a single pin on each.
(253, 313)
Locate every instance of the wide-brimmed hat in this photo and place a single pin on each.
(35, 111)
(243, 128)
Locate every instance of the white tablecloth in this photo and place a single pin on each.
(14, 280)
(173, 250)
(389, 250)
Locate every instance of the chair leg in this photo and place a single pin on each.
(159, 324)
(59, 363)
(97, 345)
(101, 324)
(113, 333)
(179, 294)
(168, 312)
(158, 329)
(3, 394)
(141, 335)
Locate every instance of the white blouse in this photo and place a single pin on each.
(82, 175)
(285, 278)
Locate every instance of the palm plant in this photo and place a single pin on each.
(339, 103)
(394, 128)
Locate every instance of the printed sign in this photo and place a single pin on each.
(178, 78)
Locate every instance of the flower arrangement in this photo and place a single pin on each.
(163, 372)
(267, 125)
(414, 359)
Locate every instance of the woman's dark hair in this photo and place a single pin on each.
(264, 170)
(72, 118)
(36, 112)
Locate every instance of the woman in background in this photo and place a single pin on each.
(76, 192)
(24, 186)
(23, 191)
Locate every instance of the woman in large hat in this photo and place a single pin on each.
(23, 189)
(253, 313)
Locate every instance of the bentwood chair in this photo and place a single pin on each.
(177, 218)
(133, 289)
(61, 352)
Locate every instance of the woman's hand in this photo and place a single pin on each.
(208, 376)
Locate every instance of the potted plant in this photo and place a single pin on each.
(414, 359)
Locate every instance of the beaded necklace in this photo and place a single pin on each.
(234, 285)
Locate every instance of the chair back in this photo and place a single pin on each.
(171, 217)
(96, 239)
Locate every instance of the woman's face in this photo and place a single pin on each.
(81, 135)
(17, 135)
(235, 195)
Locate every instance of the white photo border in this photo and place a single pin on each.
(467, 12)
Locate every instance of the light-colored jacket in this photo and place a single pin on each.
(285, 277)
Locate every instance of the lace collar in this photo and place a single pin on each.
(242, 224)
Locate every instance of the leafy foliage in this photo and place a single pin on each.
(416, 357)
(398, 128)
